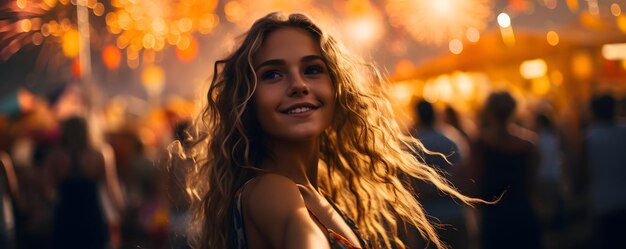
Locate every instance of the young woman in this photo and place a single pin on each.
(298, 146)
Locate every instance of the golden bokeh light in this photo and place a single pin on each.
(111, 57)
(153, 79)
(615, 51)
(504, 20)
(98, 9)
(615, 9)
(553, 38)
(592, 7)
(26, 25)
(540, 86)
(556, 77)
(532, 69)
(234, 11)
(189, 53)
(436, 22)
(582, 65)
(463, 84)
(404, 69)
(152, 25)
(472, 34)
(70, 43)
(572, 5)
(402, 92)
(621, 23)
(37, 38)
(455, 46)
(21, 3)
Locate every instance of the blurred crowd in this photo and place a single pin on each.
(67, 182)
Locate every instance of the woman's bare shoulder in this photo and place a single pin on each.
(273, 193)
(278, 214)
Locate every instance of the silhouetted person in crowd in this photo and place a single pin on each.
(505, 159)
(436, 204)
(8, 190)
(79, 220)
(605, 145)
(179, 202)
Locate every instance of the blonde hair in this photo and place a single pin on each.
(364, 153)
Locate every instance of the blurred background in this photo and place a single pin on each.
(92, 92)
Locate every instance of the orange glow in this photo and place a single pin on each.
(540, 86)
(71, 43)
(582, 65)
(455, 46)
(556, 77)
(365, 29)
(153, 78)
(76, 68)
(26, 25)
(21, 3)
(472, 35)
(616, 51)
(508, 37)
(592, 21)
(111, 57)
(438, 21)
(572, 5)
(98, 10)
(621, 23)
(615, 9)
(190, 53)
(553, 38)
(504, 20)
(234, 11)
(37, 38)
(404, 69)
(532, 69)
(402, 93)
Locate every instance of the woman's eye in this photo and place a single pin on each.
(270, 75)
(314, 70)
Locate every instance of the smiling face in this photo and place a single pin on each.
(294, 98)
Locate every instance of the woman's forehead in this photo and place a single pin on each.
(287, 43)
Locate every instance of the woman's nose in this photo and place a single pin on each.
(298, 87)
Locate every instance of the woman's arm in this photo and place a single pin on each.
(276, 211)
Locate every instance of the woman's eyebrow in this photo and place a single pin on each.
(309, 58)
(279, 62)
(275, 62)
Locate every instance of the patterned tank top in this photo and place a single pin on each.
(336, 240)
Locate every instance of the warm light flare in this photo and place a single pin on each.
(615, 51)
(532, 69)
(153, 25)
(615, 9)
(437, 22)
(455, 46)
(70, 43)
(189, 53)
(504, 20)
(472, 35)
(553, 38)
(111, 57)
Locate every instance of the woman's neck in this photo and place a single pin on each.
(297, 161)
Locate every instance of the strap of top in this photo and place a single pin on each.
(240, 241)
(334, 237)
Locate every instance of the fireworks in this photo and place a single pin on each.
(44, 22)
(437, 22)
(152, 25)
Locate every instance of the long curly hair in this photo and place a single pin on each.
(364, 154)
